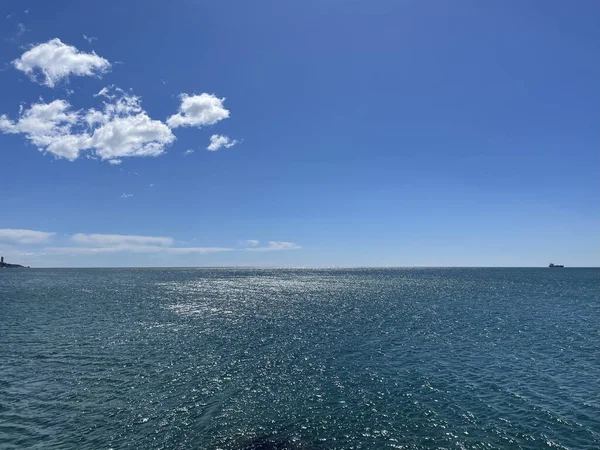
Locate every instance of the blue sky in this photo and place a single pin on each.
(393, 133)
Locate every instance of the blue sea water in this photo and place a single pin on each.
(300, 359)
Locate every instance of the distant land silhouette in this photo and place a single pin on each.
(5, 265)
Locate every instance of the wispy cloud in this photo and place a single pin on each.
(275, 246)
(120, 239)
(188, 250)
(25, 236)
(89, 39)
(13, 253)
(97, 243)
(57, 61)
(217, 141)
(136, 249)
(21, 29)
(126, 195)
(117, 243)
(188, 152)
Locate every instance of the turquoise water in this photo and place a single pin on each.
(300, 359)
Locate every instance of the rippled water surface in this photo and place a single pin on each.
(300, 359)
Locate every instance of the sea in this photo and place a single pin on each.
(266, 359)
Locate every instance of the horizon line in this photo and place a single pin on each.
(309, 267)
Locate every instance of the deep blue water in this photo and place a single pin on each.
(307, 359)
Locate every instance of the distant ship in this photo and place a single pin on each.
(555, 265)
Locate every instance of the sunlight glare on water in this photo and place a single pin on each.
(306, 359)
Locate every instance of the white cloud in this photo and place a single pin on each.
(120, 239)
(126, 195)
(99, 250)
(48, 126)
(217, 141)
(42, 119)
(275, 246)
(114, 162)
(133, 248)
(116, 243)
(121, 129)
(137, 135)
(57, 61)
(198, 111)
(25, 236)
(138, 248)
(188, 152)
(90, 39)
(89, 244)
(125, 130)
(104, 92)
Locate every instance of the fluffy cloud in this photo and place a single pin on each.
(25, 236)
(120, 129)
(57, 61)
(48, 125)
(42, 119)
(275, 246)
(217, 141)
(120, 239)
(125, 129)
(128, 136)
(198, 111)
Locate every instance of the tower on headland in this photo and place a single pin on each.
(4, 265)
